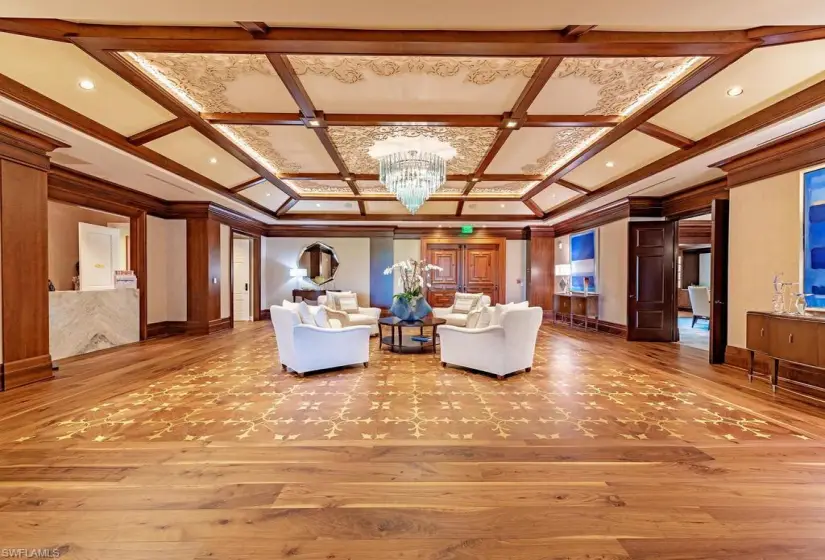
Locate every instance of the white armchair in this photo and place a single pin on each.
(304, 348)
(500, 349)
(366, 316)
(699, 302)
(456, 319)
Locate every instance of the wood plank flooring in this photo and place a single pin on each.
(194, 448)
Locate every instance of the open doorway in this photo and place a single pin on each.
(242, 277)
(693, 281)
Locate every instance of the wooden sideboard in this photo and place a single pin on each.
(789, 338)
(572, 305)
(308, 295)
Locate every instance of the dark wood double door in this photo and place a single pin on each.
(470, 267)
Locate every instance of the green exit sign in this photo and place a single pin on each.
(466, 229)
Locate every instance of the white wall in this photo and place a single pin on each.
(281, 253)
(515, 283)
(226, 265)
(166, 270)
(704, 269)
(403, 249)
(758, 252)
(612, 279)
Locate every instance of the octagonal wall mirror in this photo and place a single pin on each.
(320, 262)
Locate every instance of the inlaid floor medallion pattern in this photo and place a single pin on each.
(572, 393)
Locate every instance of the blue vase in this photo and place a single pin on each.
(401, 308)
(420, 309)
(414, 310)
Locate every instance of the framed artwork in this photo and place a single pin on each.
(584, 254)
(813, 238)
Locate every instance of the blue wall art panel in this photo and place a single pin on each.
(813, 237)
(583, 260)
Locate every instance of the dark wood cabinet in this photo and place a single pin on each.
(788, 338)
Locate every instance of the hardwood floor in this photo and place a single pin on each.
(202, 448)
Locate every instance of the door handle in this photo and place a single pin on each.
(631, 296)
(246, 287)
(790, 338)
(717, 302)
(761, 332)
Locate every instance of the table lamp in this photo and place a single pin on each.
(564, 271)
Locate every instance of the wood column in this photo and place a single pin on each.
(24, 254)
(203, 276)
(541, 270)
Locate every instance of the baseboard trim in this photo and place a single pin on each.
(28, 370)
(606, 327)
(165, 328)
(216, 325)
(806, 380)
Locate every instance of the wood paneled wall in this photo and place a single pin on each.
(24, 255)
(541, 270)
(203, 276)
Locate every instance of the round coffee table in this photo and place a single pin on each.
(405, 343)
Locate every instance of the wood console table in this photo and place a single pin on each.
(788, 338)
(311, 295)
(577, 305)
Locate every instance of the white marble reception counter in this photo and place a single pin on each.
(81, 322)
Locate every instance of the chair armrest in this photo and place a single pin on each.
(497, 329)
(370, 311)
(313, 328)
(442, 311)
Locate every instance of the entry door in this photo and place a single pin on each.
(240, 284)
(447, 282)
(99, 252)
(719, 281)
(481, 270)
(651, 309)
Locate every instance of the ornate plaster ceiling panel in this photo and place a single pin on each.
(370, 84)
(627, 154)
(55, 69)
(451, 187)
(219, 82)
(514, 188)
(765, 76)
(552, 196)
(354, 142)
(265, 194)
(326, 207)
(602, 86)
(514, 207)
(321, 187)
(288, 148)
(188, 147)
(537, 150)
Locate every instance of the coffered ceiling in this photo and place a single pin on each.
(281, 122)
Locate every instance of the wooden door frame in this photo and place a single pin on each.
(500, 242)
(254, 274)
(720, 231)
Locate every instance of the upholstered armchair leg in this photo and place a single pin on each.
(528, 370)
(366, 364)
(443, 364)
(283, 367)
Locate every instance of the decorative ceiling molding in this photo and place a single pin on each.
(353, 143)
(350, 70)
(159, 131)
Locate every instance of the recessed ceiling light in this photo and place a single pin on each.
(474, 179)
(313, 122)
(610, 164)
(86, 84)
(268, 194)
(502, 205)
(735, 91)
(213, 160)
(318, 204)
(511, 124)
(439, 225)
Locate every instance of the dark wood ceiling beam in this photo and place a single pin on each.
(799, 102)
(573, 186)
(362, 208)
(168, 101)
(354, 119)
(148, 38)
(342, 217)
(783, 35)
(534, 208)
(676, 91)
(459, 208)
(38, 102)
(247, 184)
(665, 135)
(286, 207)
(575, 31)
(159, 131)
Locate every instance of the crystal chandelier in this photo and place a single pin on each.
(413, 169)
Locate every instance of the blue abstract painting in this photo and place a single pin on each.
(583, 256)
(813, 237)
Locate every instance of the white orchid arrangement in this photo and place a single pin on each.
(413, 276)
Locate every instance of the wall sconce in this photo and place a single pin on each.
(297, 273)
(564, 271)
